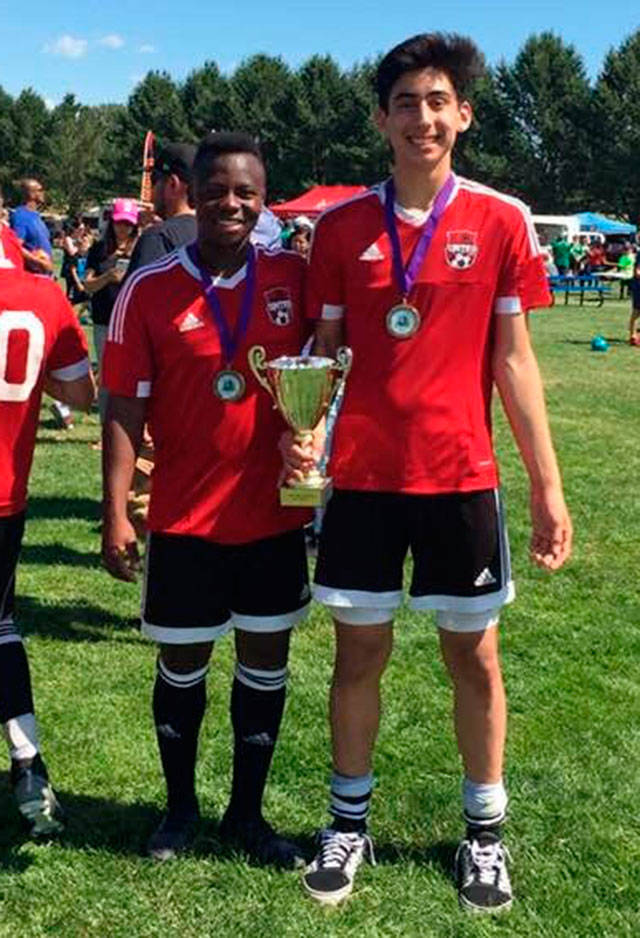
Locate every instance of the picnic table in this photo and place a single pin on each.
(587, 287)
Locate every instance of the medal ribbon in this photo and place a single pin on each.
(228, 340)
(406, 277)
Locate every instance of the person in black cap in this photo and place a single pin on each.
(171, 178)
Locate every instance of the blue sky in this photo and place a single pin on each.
(99, 51)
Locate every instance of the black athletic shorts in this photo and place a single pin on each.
(458, 543)
(11, 531)
(195, 590)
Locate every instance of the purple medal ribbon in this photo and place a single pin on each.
(228, 340)
(406, 277)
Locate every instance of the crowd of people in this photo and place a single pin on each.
(429, 278)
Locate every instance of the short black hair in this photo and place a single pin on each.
(458, 57)
(220, 143)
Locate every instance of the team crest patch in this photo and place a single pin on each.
(279, 306)
(461, 249)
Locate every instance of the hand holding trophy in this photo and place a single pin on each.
(302, 388)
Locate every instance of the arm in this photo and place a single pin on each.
(79, 393)
(94, 282)
(121, 440)
(38, 262)
(517, 377)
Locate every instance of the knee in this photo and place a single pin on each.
(362, 660)
(475, 664)
(183, 659)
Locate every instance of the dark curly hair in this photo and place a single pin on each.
(458, 57)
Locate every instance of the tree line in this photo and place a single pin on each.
(542, 130)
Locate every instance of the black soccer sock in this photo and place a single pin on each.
(179, 702)
(257, 704)
(15, 682)
(350, 801)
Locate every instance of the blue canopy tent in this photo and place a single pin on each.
(592, 221)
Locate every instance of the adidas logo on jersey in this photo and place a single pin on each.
(372, 253)
(486, 578)
(190, 321)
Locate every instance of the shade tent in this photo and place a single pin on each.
(592, 221)
(315, 200)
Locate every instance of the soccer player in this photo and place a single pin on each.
(428, 277)
(41, 347)
(221, 553)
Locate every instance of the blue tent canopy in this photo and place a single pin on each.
(592, 221)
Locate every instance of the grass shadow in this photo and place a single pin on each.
(612, 340)
(439, 855)
(79, 620)
(50, 507)
(54, 554)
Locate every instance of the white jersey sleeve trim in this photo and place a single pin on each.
(508, 305)
(143, 389)
(72, 372)
(331, 312)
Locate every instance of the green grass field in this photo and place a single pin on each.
(571, 648)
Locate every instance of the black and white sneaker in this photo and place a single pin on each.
(481, 873)
(329, 877)
(36, 798)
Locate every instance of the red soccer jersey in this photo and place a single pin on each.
(416, 412)
(39, 336)
(10, 250)
(216, 463)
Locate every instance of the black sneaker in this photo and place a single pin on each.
(174, 834)
(482, 874)
(260, 842)
(35, 797)
(329, 877)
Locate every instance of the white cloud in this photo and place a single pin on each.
(66, 46)
(49, 103)
(111, 41)
(147, 48)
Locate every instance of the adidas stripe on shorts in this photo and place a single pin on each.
(458, 543)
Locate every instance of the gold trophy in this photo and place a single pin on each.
(302, 388)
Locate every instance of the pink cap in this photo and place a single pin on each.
(125, 210)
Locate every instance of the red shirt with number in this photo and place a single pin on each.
(39, 337)
(416, 415)
(10, 250)
(217, 462)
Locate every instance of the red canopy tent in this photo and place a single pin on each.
(315, 200)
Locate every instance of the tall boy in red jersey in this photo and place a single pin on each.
(41, 347)
(222, 553)
(428, 277)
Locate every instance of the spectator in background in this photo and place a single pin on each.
(579, 254)
(561, 253)
(107, 263)
(597, 256)
(28, 225)
(171, 179)
(72, 236)
(634, 290)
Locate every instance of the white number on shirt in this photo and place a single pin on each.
(24, 321)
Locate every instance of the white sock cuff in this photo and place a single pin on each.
(181, 681)
(351, 786)
(21, 733)
(260, 679)
(484, 802)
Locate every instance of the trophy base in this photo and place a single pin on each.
(306, 496)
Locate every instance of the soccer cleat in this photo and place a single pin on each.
(174, 834)
(35, 798)
(260, 842)
(62, 415)
(481, 873)
(329, 877)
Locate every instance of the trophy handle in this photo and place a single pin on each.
(344, 359)
(257, 362)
